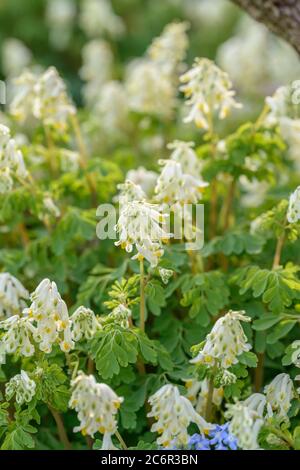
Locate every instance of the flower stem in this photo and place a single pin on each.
(208, 408)
(142, 296)
(121, 440)
(279, 246)
(60, 428)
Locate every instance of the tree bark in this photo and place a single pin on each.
(282, 17)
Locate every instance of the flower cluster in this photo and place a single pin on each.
(18, 337)
(293, 214)
(197, 393)
(173, 414)
(50, 313)
(11, 161)
(140, 225)
(219, 438)
(12, 295)
(245, 423)
(144, 178)
(97, 17)
(120, 315)
(21, 386)
(96, 405)
(225, 342)
(208, 91)
(279, 394)
(42, 97)
(60, 16)
(112, 107)
(84, 324)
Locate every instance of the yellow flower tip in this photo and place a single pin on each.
(123, 245)
(102, 429)
(83, 432)
(140, 257)
(166, 444)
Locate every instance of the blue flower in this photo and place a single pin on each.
(198, 442)
(221, 438)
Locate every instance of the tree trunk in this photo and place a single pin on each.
(282, 17)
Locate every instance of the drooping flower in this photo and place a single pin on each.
(208, 91)
(245, 424)
(120, 315)
(43, 97)
(173, 414)
(84, 324)
(140, 226)
(144, 178)
(225, 342)
(51, 316)
(97, 18)
(112, 107)
(165, 274)
(18, 336)
(12, 295)
(22, 386)
(296, 353)
(183, 153)
(258, 403)
(197, 393)
(97, 406)
(293, 214)
(11, 161)
(279, 394)
(169, 49)
(130, 192)
(60, 16)
(220, 438)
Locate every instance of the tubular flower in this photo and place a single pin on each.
(112, 107)
(165, 274)
(175, 187)
(208, 91)
(139, 225)
(96, 405)
(120, 315)
(279, 394)
(11, 161)
(245, 424)
(173, 414)
(97, 16)
(183, 153)
(51, 315)
(225, 342)
(197, 393)
(84, 324)
(12, 295)
(169, 49)
(44, 97)
(18, 336)
(144, 178)
(130, 192)
(258, 402)
(293, 214)
(21, 386)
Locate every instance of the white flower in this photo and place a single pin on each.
(21, 386)
(15, 57)
(245, 424)
(255, 191)
(18, 336)
(50, 207)
(149, 90)
(12, 295)
(258, 403)
(144, 178)
(197, 393)
(11, 161)
(44, 97)
(129, 192)
(208, 91)
(169, 49)
(173, 414)
(120, 315)
(96, 405)
(173, 186)
(140, 225)
(165, 274)
(183, 153)
(97, 17)
(84, 324)
(293, 214)
(279, 394)
(60, 16)
(225, 342)
(112, 107)
(296, 353)
(51, 315)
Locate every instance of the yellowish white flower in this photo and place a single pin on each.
(97, 18)
(15, 57)
(258, 403)
(129, 192)
(84, 324)
(173, 414)
(245, 424)
(11, 161)
(208, 91)
(140, 226)
(50, 207)
(149, 90)
(112, 107)
(97, 406)
(22, 386)
(120, 315)
(12, 295)
(279, 394)
(255, 191)
(60, 16)
(44, 97)
(225, 342)
(184, 153)
(296, 353)
(165, 274)
(293, 214)
(197, 393)
(18, 336)
(169, 49)
(144, 178)
(51, 316)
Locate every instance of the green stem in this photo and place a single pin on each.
(121, 440)
(142, 295)
(209, 400)
(60, 428)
